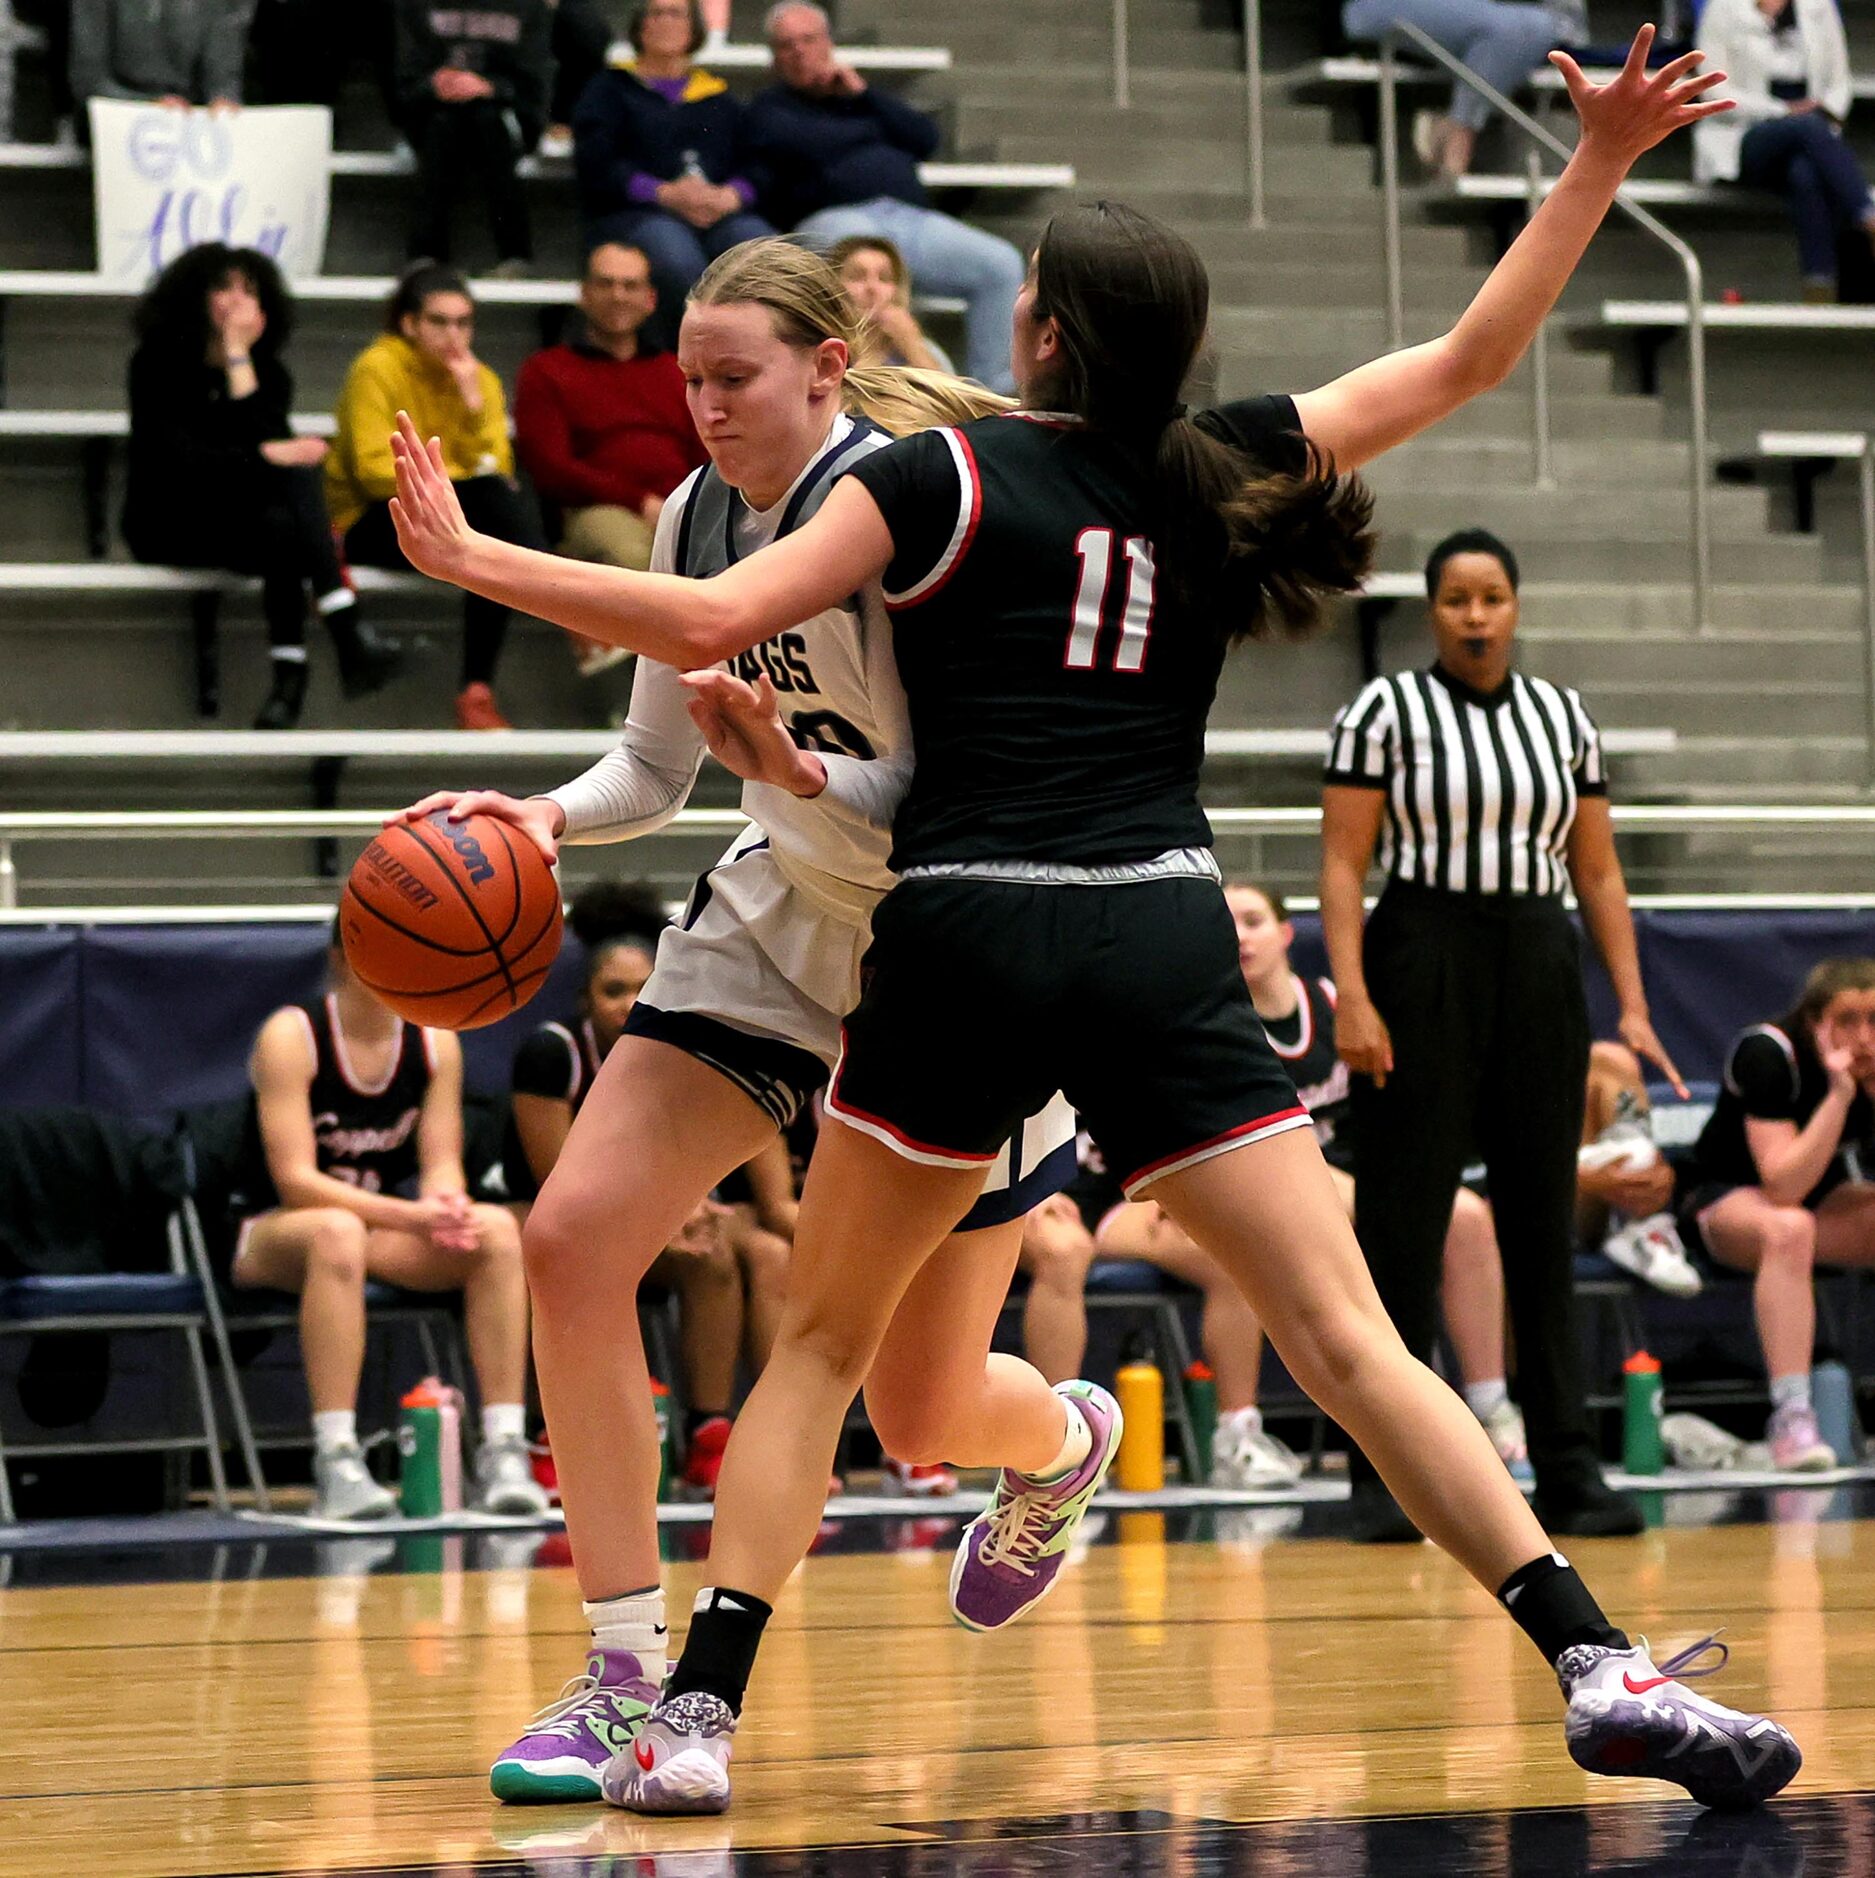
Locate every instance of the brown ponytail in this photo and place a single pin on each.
(1260, 549)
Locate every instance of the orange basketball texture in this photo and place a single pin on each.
(452, 924)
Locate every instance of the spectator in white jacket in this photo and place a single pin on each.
(1787, 65)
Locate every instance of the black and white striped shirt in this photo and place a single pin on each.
(1481, 789)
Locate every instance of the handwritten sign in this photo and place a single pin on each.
(165, 181)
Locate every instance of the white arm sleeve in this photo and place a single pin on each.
(865, 791)
(638, 787)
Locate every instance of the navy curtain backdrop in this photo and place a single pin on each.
(142, 1020)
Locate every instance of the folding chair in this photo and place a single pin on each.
(88, 1164)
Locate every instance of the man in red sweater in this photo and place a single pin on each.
(601, 424)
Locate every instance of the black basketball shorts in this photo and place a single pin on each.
(982, 997)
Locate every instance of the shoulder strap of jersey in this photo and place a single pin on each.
(864, 438)
(1777, 1035)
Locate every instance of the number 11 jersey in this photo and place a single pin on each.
(1058, 693)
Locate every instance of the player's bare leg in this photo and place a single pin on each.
(1269, 1213)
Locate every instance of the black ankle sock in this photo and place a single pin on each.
(695, 1418)
(1548, 1598)
(725, 1632)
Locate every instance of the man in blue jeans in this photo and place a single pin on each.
(842, 159)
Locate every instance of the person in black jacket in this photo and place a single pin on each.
(660, 149)
(217, 478)
(473, 85)
(842, 158)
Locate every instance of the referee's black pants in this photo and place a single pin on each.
(1483, 997)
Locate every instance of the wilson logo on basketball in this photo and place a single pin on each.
(476, 864)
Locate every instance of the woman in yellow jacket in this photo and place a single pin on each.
(424, 363)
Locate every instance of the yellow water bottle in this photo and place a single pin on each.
(1141, 1392)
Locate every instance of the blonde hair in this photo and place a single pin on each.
(844, 250)
(802, 292)
(904, 399)
(798, 288)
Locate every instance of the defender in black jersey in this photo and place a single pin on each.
(1783, 1177)
(1074, 902)
(354, 1173)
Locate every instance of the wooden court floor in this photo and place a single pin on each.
(345, 1722)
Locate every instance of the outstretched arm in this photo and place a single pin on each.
(685, 623)
(1376, 406)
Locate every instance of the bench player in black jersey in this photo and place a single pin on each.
(354, 1171)
(1066, 580)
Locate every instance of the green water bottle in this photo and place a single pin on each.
(429, 1440)
(1201, 1406)
(1641, 1449)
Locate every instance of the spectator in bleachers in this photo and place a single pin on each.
(473, 86)
(1787, 66)
(1783, 1178)
(217, 478)
(874, 275)
(424, 362)
(601, 423)
(618, 924)
(843, 160)
(175, 53)
(1501, 41)
(661, 153)
(1462, 1013)
(354, 1172)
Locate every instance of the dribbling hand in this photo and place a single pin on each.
(742, 725)
(537, 818)
(431, 528)
(1637, 108)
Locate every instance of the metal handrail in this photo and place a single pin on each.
(1253, 108)
(1122, 57)
(326, 824)
(1405, 32)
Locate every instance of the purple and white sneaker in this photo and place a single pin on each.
(1627, 1716)
(568, 1743)
(1012, 1553)
(679, 1762)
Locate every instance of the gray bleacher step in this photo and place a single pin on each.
(1734, 766)
(1441, 458)
(1257, 349)
(1410, 500)
(1768, 562)
(1118, 161)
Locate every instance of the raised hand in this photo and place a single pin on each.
(538, 819)
(431, 528)
(742, 725)
(1637, 108)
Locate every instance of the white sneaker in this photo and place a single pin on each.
(1246, 1457)
(1701, 1446)
(1652, 1250)
(504, 1478)
(344, 1488)
(1627, 1716)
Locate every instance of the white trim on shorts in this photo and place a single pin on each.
(1239, 1137)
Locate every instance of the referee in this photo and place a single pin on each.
(1461, 1007)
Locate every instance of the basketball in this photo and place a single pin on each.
(451, 924)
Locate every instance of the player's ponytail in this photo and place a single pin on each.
(904, 399)
(1259, 550)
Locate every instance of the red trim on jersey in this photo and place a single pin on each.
(1241, 1136)
(864, 1119)
(1306, 1035)
(342, 1059)
(939, 578)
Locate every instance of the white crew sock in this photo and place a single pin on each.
(634, 1622)
(1076, 1446)
(504, 1421)
(335, 1428)
(1486, 1398)
(336, 601)
(1791, 1391)
(1243, 1421)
